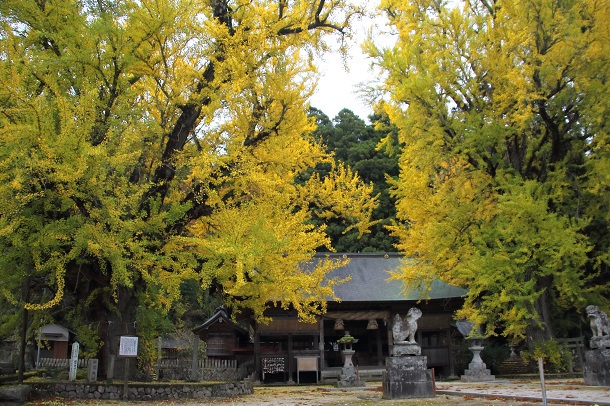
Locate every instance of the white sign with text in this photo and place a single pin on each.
(128, 346)
(73, 361)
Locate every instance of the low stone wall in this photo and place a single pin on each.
(183, 373)
(142, 391)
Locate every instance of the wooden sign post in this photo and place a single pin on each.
(128, 348)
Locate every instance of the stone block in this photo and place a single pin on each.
(600, 342)
(477, 376)
(597, 367)
(17, 393)
(407, 377)
(419, 363)
(406, 348)
(407, 390)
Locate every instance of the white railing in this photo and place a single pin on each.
(217, 363)
(206, 363)
(60, 363)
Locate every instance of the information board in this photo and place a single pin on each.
(128, 346)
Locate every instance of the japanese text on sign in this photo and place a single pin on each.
(128, 346)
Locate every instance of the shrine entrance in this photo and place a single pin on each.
(279, 345)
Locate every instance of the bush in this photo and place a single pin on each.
(554, 357)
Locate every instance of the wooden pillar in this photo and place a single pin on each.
(451, 352)
(289, 363)
(390, 337)
(194, 376)
(321, 344)
(257, 356)
(379, 348)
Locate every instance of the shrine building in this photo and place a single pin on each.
(288, 350)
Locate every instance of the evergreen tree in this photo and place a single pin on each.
(355, 144)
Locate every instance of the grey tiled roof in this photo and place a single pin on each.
(219, 316)
(369, 279)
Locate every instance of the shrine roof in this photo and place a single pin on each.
(369, 275)
(220, 317)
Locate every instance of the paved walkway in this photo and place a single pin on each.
(557, 391)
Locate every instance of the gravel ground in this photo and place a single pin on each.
(496, 393)
(313, 396)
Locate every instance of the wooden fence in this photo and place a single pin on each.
(207, 363)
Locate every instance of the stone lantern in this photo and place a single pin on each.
(348, 376)
(346, 349)
(477, 370)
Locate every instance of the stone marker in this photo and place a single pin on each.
(92, 370)
(407, 375)
(74, 361)
(597, 360)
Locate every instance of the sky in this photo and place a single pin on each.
(337, 88)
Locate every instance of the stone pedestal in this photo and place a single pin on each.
(477, 370)
(405, 348)
(348, 378)
(407, 377)
(600, 342)
(597, 362)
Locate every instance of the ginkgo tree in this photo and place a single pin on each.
(502, 108)
(143, 143)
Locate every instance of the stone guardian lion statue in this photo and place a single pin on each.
(599, 321)
(404, 329)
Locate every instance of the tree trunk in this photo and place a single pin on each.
(24, 331)
(541, 328)
(112, 327)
